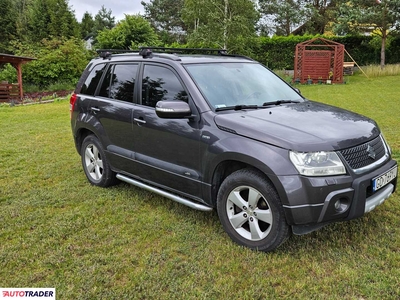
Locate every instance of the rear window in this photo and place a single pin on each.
(91, 82)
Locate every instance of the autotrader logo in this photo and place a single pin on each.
(30, 293)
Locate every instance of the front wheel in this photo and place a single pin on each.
(250, 211)
(95, 163)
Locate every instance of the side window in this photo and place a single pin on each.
(160, 83)
(105, 86)
(90, 85)
(119, 82)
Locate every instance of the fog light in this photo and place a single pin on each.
(341, 204)
(338, 205)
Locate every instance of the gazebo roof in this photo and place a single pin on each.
(8, 91)
(324, 42)
(8, 58)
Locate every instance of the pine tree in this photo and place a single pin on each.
(7, 24)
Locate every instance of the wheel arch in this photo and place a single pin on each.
(81, 134)
(226, 167)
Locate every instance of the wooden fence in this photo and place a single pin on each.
(9, 91)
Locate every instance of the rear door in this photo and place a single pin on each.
(112, 109)
(167, 149)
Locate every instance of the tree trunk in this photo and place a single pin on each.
(226, 23)
(383, 47)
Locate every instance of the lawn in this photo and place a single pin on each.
(125, 243)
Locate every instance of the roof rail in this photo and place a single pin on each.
(209, 51)
(148, 52)
(106, 53)
(183, 50)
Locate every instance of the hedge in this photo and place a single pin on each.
(278, 52)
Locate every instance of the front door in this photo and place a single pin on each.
(167, 149)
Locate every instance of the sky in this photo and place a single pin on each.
(118, 7)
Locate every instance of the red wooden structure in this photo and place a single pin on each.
(319, 59)
(13, 91)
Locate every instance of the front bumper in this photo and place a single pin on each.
(315, 201)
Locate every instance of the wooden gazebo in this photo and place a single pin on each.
(319, 59)
(10, 91)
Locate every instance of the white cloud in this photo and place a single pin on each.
(118, 7)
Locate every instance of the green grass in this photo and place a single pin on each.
(377, 71)
(124, 243)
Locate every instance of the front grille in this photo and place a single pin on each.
(359, 156)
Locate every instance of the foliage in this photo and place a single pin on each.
(125, 243)
(285, 14)
(103, 20)
(58, 60)
(321, 13)
(130, 33)
(7, 24)
(166, 18)
(8, 73)
(309, 16)
(361, 15)
(228, 24)
(51, 18)
(87, 25)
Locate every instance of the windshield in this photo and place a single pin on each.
(240, 84)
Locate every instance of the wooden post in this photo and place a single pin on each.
(19, 74)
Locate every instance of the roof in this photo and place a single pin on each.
(189, 55)
(8, 58)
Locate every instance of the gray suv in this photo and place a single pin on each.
(212, 130)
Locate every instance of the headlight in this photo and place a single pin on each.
(317, 163)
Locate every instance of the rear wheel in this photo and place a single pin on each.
(250, 211)
(95, 163)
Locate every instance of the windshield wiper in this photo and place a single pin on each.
(279, 102)
(239, 107)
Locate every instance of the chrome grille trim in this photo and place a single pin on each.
(358, 159)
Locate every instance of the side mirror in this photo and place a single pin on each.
(297, 90)
(173, 109)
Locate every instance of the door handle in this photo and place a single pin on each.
(139, 121)
(96, 109)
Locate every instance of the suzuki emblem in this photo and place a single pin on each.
(371, 152)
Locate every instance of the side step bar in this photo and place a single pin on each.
(165, 194)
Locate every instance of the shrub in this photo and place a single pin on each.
(58, 60)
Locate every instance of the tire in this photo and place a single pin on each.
(95, 164)
(250, 211)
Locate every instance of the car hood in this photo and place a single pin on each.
(305, 126)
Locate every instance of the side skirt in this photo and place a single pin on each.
(165, 194)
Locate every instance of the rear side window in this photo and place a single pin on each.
(119, 82)
(160, 83)
(91, 82)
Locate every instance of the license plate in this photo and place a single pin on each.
(384, 179)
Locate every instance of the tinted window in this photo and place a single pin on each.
(119, 82)
(161, 84)
(90, 85)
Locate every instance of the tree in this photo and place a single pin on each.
(285, 14)
(52, 18)
(166, 18)
(8, 27)
(228, 24)
(87, 25)
(382, 16)
(58, 60)
(22, 8)
(103, 20)
(129, 33)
